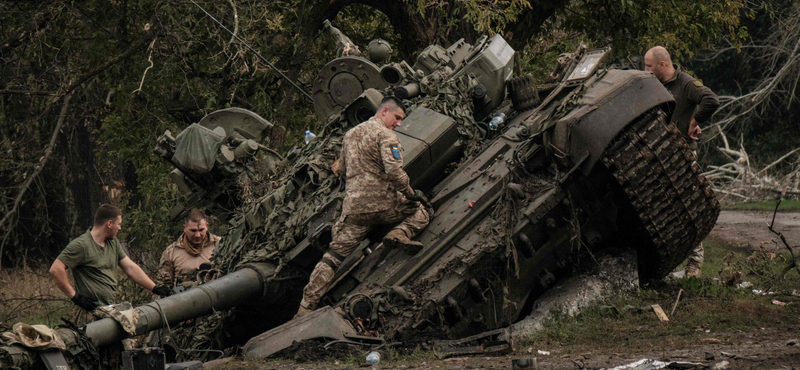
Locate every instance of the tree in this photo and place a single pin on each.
(134, 68)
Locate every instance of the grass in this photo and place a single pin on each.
(29, 296)
(787, 205)
(627, 323)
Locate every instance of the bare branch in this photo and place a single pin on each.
(6, 222)
(783, 238)
(27, 92)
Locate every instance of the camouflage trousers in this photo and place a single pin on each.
(696, 257)
(348, 232)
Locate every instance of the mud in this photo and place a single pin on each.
(312, 351)
(749, 229)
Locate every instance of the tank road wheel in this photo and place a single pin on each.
(666, 205)
(522, 90)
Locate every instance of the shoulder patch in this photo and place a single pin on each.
(698, 83)
(395, 152)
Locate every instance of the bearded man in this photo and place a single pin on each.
(193, 248)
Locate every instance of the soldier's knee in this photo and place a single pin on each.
(332, 259)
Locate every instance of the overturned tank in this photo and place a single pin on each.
(525, 180)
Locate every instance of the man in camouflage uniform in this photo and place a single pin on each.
(694, 104)
(193, 248)
(377, 193)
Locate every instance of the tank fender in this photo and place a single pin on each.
(608, 106)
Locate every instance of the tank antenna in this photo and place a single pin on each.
(285, 77)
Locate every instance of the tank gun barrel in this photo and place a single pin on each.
(242, 286)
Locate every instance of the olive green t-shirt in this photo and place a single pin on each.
(94, 267)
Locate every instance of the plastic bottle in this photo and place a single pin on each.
(497, 121)
(309, 136)
(373, 357)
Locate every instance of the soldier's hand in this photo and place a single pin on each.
(694, 130)
(84, 302)
(335, 168)
(419, 196)
(162, 290)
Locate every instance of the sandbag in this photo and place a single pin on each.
(34, 336)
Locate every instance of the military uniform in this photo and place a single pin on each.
(377, 193)
(178, 259)
(692, 99)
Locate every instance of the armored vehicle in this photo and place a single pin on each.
(524, 179)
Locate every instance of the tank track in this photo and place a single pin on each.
(670, 205)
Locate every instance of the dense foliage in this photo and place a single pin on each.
(130, 69)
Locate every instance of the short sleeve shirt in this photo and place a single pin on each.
(94, 268)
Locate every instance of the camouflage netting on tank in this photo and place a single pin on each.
(279, 206)
(275, 219)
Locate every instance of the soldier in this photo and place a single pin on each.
(694, 104)
(93, 258)
(193, 248)
(377, 193)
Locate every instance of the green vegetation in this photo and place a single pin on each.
(787, 205)
(136, 68)
(706, 305)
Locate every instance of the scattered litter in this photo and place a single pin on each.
(726, 354)
(761, 292)
(678, 274)
(543, 353)
(660, 313)
(676, 303)
(530, 349)
(373, 357)
(791, 342)
(524, 363)
(796, 292)
(779, 303)
(745, 284)
(647, 364)
(643, 364)
(721, 365)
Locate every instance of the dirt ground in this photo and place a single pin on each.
(749, 229)
(769, 348)
(773, 343)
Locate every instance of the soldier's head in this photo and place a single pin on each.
(108, 219)
(195, 226)
(658, 61)
(391, 112)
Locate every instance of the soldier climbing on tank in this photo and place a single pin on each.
(694, 104)
(377, 193)
(192, 249)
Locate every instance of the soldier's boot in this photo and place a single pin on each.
(302, 311)
(317, 285)
(695, 261)
(397, 238)
(693, 269)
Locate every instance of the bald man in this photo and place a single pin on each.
(694, 104)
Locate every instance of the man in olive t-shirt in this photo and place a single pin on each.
(93, 258)
(94, 268)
